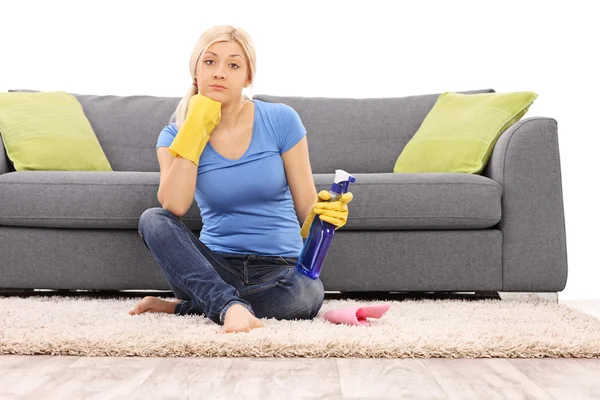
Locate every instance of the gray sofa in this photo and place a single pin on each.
(501, 231)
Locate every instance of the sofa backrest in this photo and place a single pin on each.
(127, 127)
(357, 135)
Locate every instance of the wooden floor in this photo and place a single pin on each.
(54, 377)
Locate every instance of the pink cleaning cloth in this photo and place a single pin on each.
(356, 315)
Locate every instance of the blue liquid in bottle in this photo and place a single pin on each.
(314, 251)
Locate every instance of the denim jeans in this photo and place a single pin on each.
(210, 282)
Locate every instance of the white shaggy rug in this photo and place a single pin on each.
(87, 326)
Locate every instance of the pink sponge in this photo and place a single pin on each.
(356, 315)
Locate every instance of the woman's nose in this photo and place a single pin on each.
(218, 74)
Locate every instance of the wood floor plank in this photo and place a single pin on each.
(176, 378)
(91, 383)
(387, 379)
(243, 378)
(282, 378)
(38, 362)
(563, 377)
(11, 361)
(117, 362)
(592, 365)
(19, 375)
(483, 379)
(16, 382)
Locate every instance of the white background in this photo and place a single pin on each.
(342, 49)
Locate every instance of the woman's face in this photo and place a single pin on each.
(223, 72)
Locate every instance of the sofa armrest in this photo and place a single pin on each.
(526, 162)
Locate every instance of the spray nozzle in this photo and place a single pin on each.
(343, 176)
(341, 181)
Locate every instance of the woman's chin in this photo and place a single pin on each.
(222, 97)
(218, 96)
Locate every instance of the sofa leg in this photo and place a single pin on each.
(552, 297)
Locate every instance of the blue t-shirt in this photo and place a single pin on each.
(246, 204)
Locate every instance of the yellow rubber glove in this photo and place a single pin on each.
(203, 115)
(336, 213)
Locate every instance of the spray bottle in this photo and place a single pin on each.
(312, 256)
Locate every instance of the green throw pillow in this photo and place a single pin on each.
(49, 131)
(460, 131)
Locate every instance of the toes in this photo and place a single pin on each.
(136, 309)
(258, 324)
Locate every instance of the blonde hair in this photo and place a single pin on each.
(222, 33)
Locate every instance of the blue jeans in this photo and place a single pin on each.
(210, 282)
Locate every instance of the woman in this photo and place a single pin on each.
(246, 164)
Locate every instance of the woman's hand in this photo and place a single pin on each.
(203, 115)
(336, 213)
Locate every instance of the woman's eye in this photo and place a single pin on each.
(234, 64)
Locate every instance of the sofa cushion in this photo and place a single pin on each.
(359, 135)
(386, 201)
(459, 133)
(420, 201)
(49, 131)
(77, 199)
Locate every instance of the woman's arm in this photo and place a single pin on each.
(177, 182)
(300, 178)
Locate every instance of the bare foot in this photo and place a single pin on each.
(154, 304)
(239, 319)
